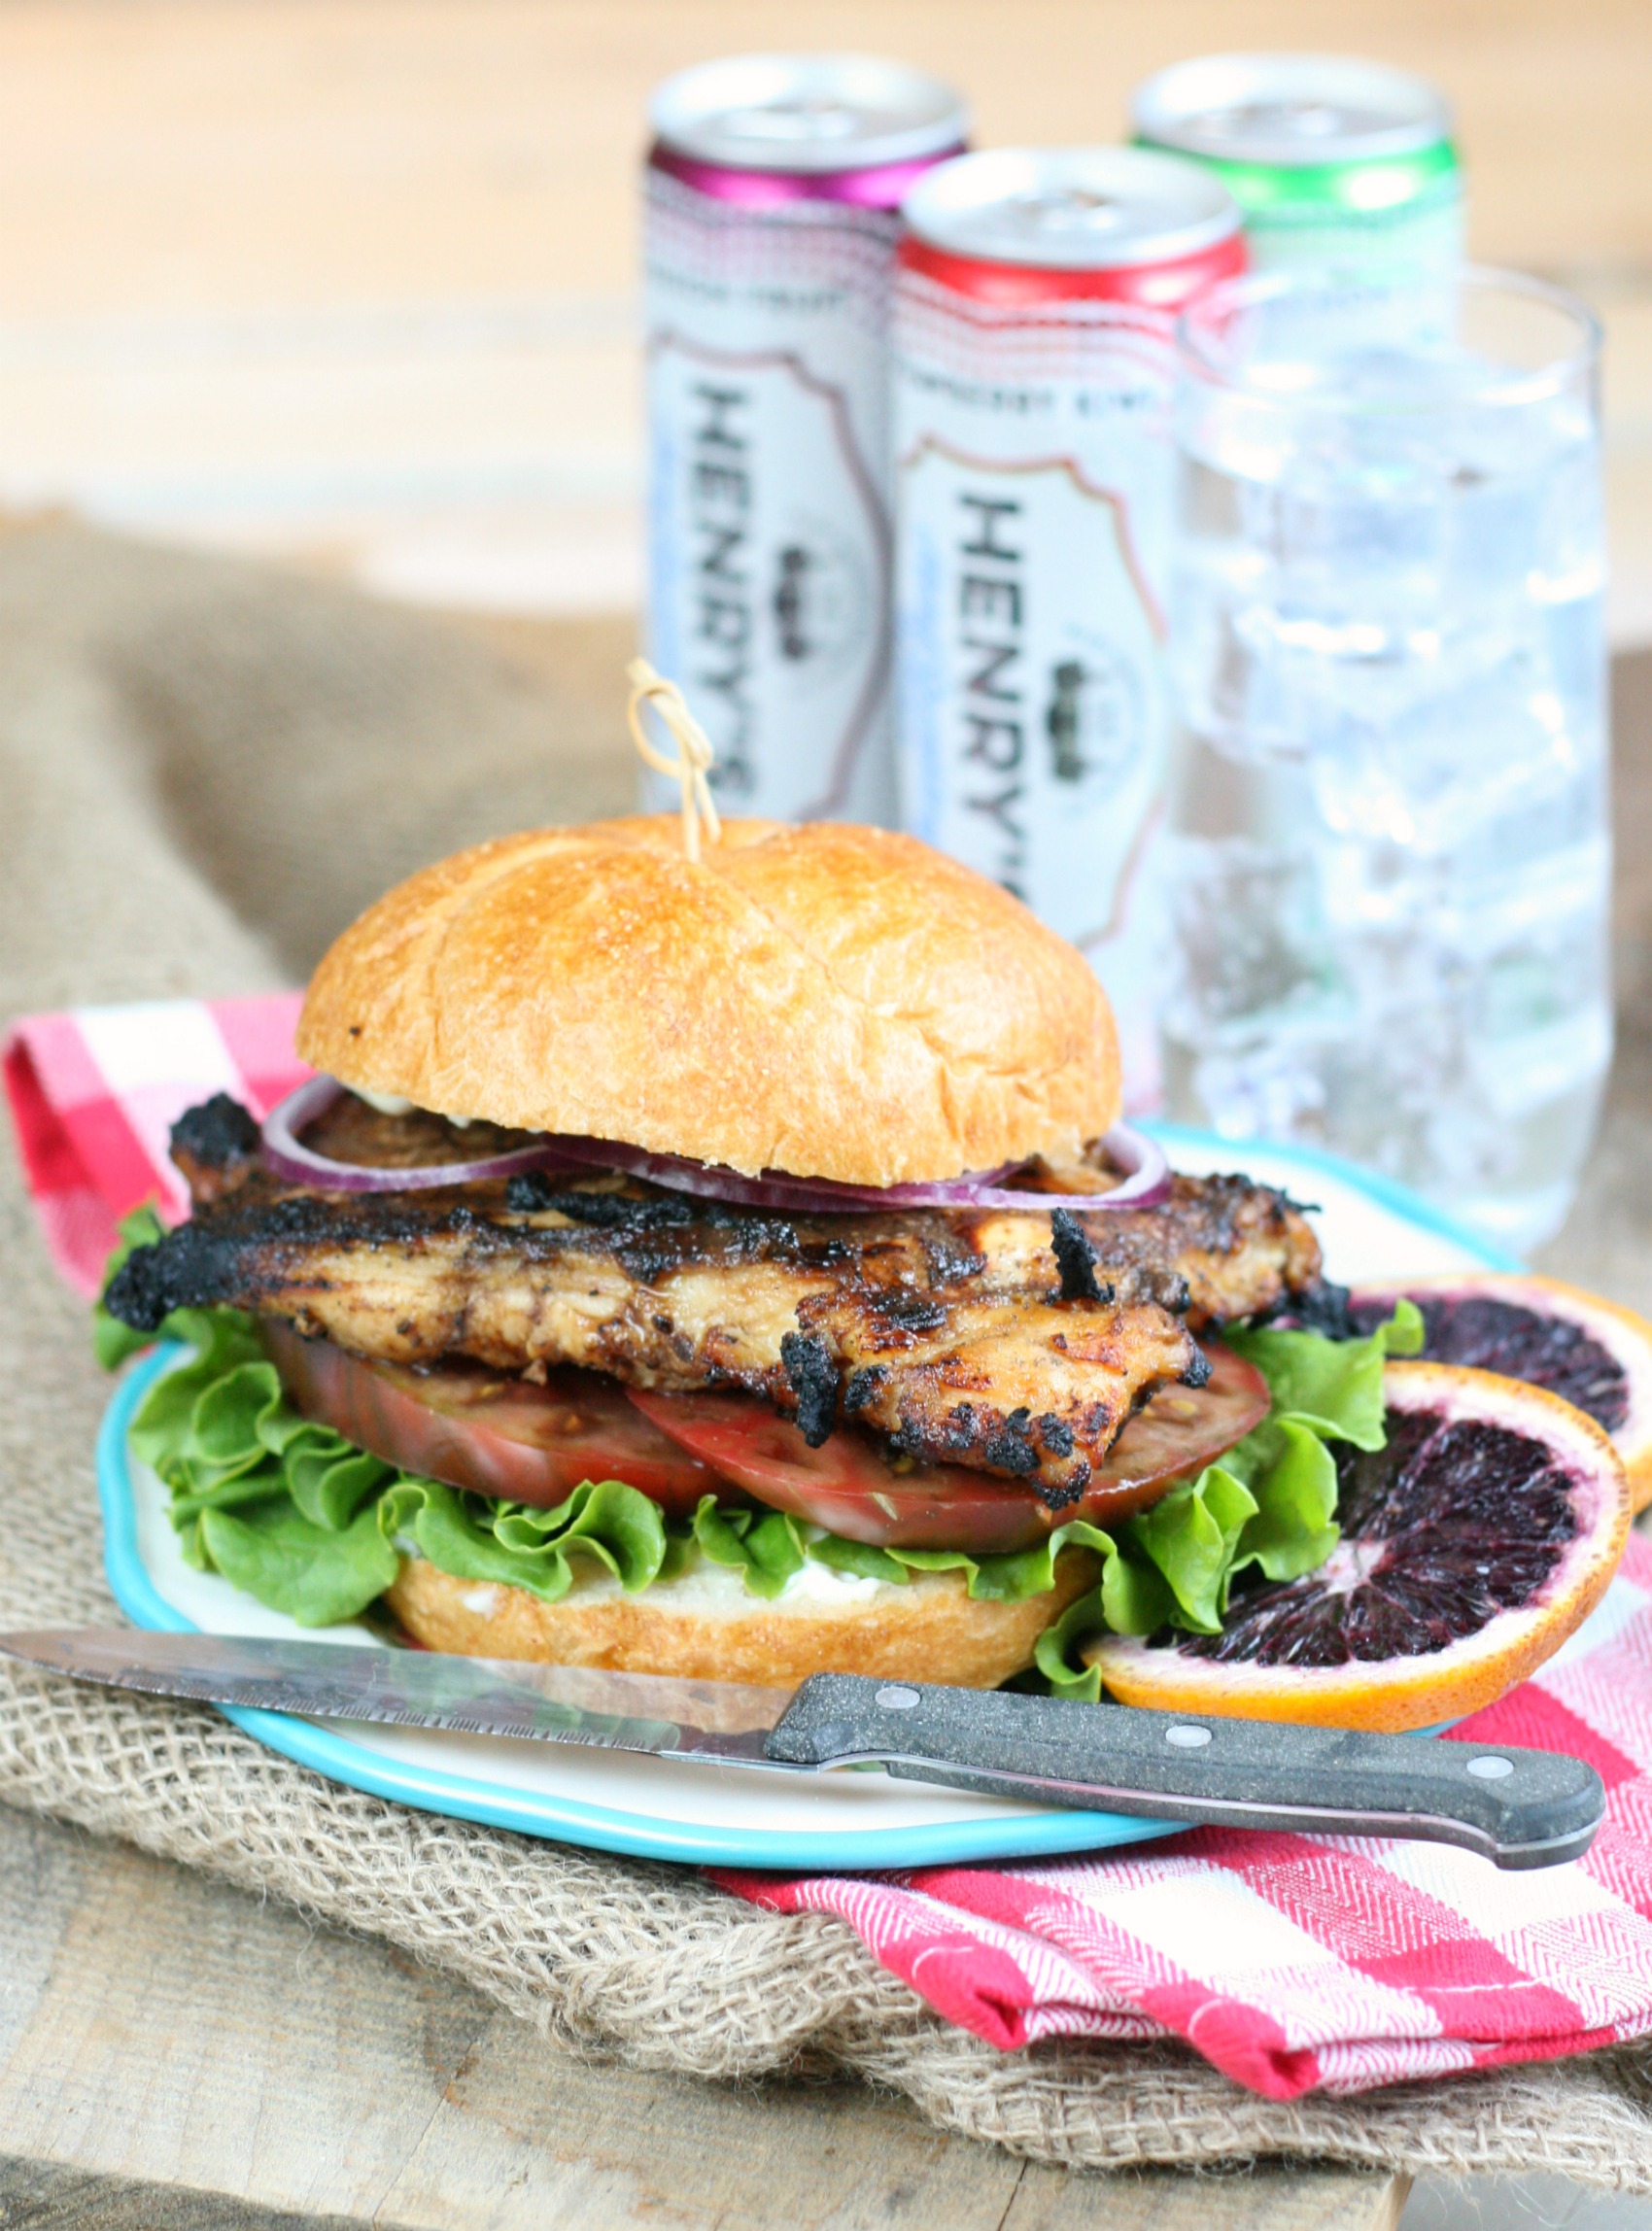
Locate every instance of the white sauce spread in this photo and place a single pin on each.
(387, 1103)
(705, 1587)
(393, 1104)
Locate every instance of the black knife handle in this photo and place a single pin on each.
(1521, 1808)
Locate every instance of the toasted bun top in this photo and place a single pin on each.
(824, 1000)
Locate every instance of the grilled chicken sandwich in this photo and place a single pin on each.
(729, 1267)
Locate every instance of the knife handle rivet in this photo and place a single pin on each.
(1491, 1770)
(895, 1699)
(1187, 1738)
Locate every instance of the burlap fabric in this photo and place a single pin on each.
(204, 770)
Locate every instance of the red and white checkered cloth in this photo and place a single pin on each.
(94, 1093)
(1298, 1963)
(1291, 1963)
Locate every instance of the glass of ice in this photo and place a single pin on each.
(1389, 843)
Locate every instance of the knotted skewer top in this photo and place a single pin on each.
(693, 762)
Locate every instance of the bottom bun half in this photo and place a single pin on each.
(706, 1627)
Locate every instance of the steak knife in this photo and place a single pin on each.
(1520, 1808)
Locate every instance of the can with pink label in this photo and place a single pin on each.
(1033, 374)
(773, 186)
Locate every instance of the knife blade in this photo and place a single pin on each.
(1518, 1807)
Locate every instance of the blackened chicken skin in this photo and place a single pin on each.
(1220, 1249)
(945, 1332)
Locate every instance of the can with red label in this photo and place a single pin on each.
(772, 186)
(1035, 305)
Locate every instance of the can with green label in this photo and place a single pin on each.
(1336, 163)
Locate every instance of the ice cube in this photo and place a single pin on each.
(1486, 741)
(1253, 948)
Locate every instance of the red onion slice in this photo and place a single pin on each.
(288, 1157)
(1146, 1182)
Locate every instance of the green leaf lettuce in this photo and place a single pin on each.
(1270, 1501)
(313, 1527)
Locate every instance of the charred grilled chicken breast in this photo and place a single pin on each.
(1015, 1344)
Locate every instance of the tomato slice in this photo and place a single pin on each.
(848, 1486)
(529, 1444)
(499, 1437)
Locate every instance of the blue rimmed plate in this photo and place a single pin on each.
(1370, 1228)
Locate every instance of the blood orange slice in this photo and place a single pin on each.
(1592, 1352)
(1473, 1545)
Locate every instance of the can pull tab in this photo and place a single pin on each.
(693, 762)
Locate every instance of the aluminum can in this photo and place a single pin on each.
(772, 192)
(1033, 373)
(1337, 163)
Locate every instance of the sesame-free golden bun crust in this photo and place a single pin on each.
(928, 1630)
(830, 1001)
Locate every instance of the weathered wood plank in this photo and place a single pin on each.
(165, 2041)
(42, 2196)
(46, 2198)
(354, 284)
(178, 2034)
(188, 155)
(591, 2154)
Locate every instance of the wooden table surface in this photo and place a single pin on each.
(354, 280)
(173, 2055)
